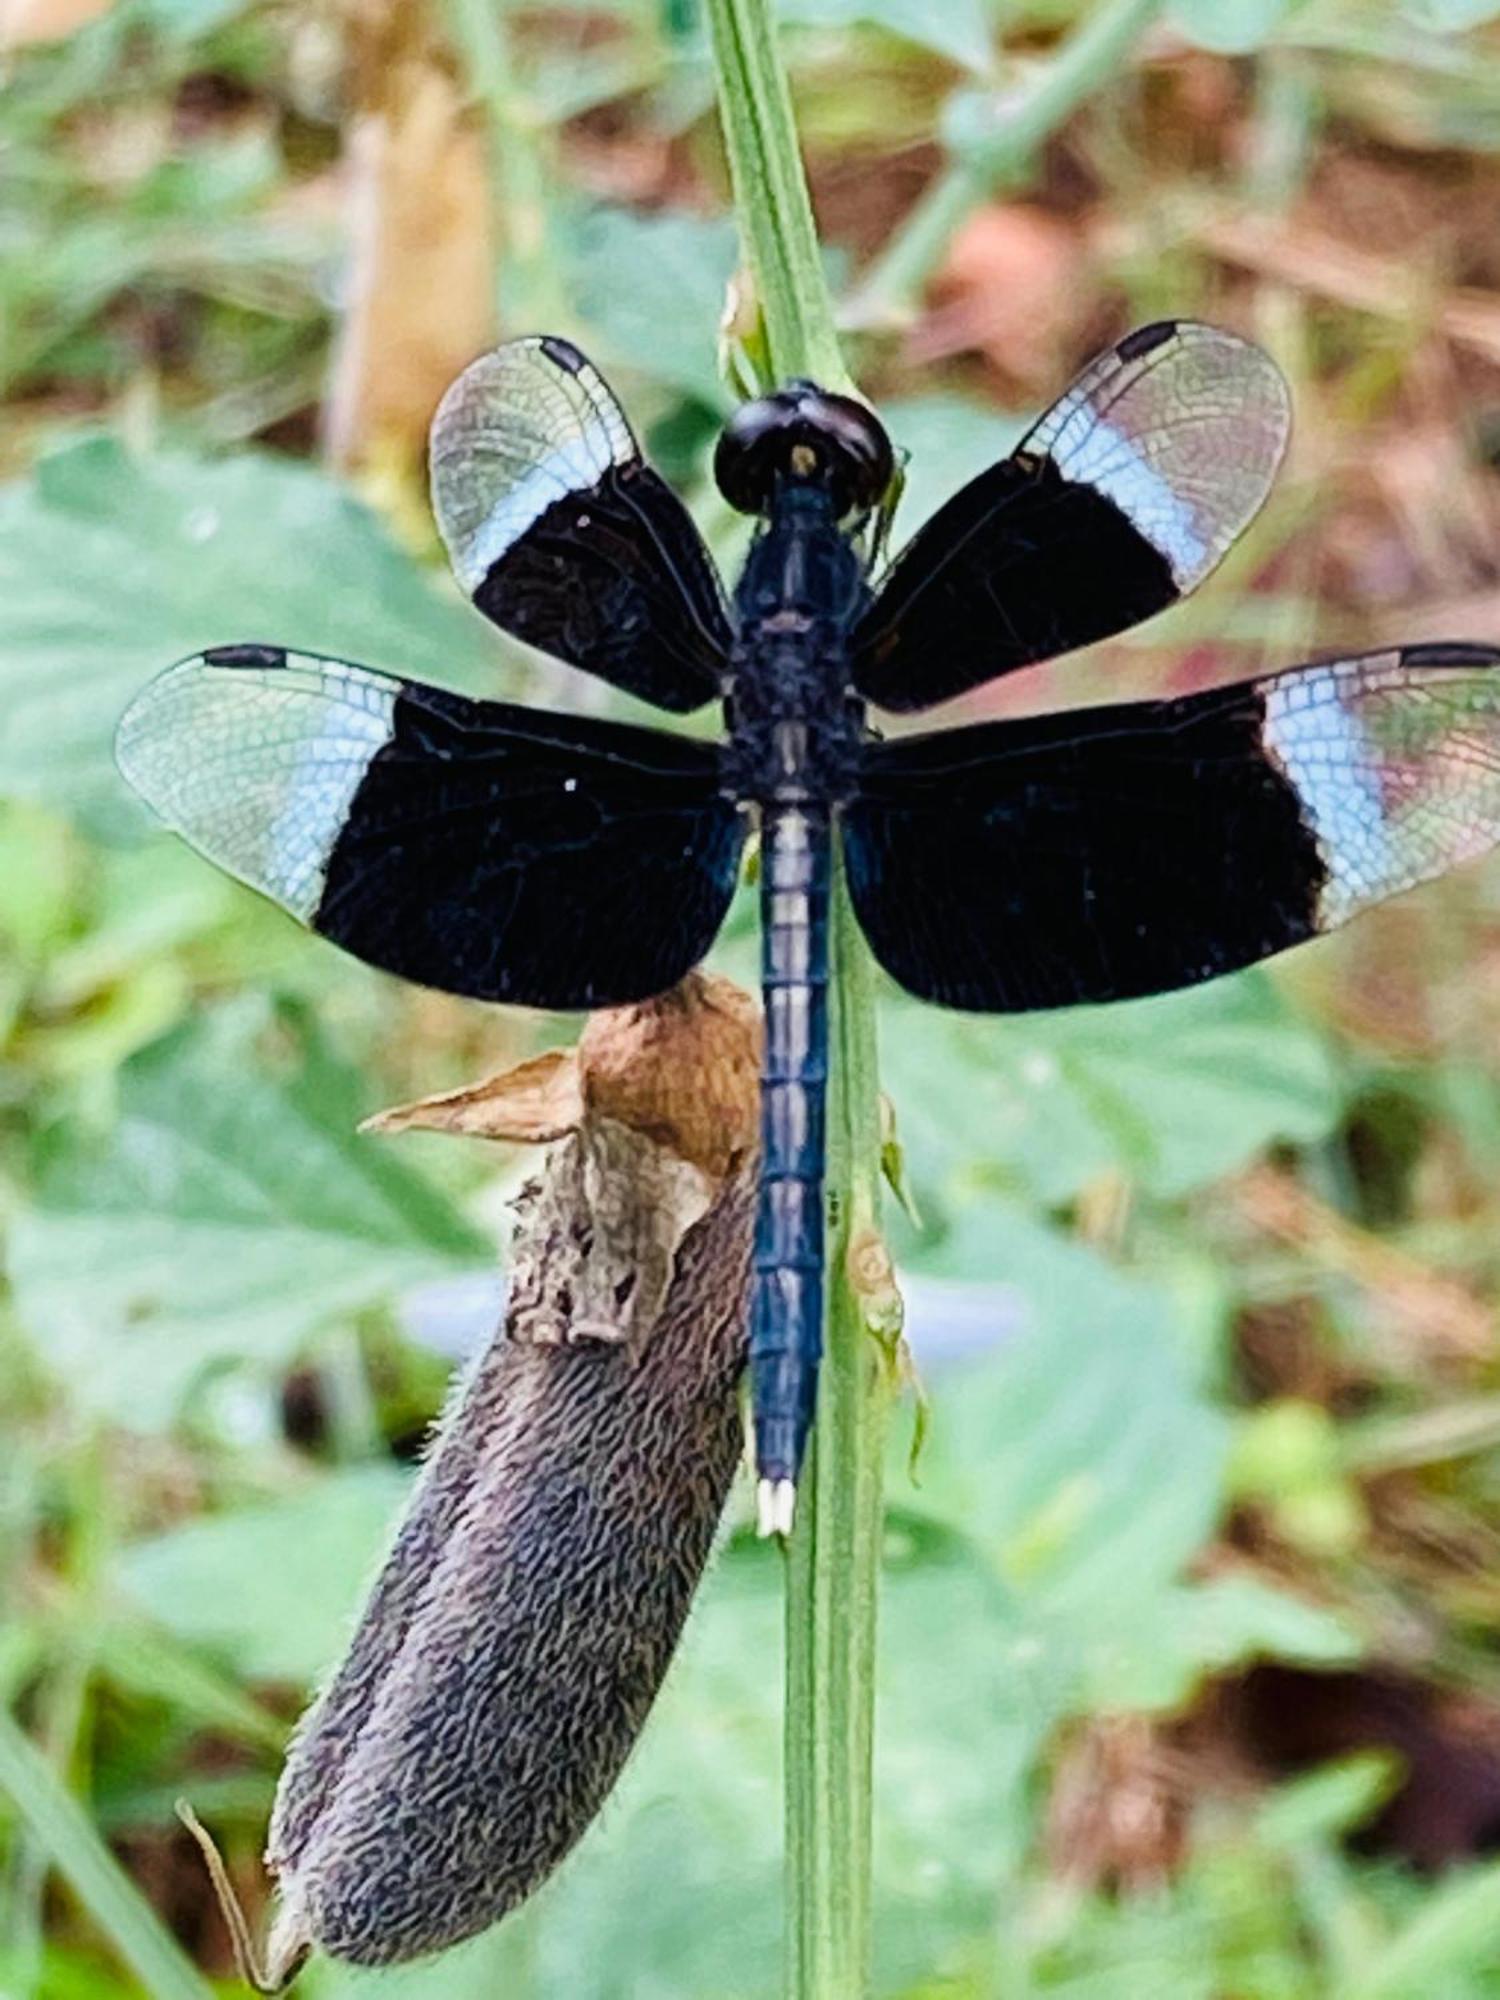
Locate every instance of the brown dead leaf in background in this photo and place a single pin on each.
(420, 293)
(1397, 287)
(1011, 288)
(1421, 1304)
(1118, 1810)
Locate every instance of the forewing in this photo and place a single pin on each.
(1118, 502)
(564, 536)
(473, 846)
(1127, 850)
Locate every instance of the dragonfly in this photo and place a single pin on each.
(568, 861)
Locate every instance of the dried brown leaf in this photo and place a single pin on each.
(538, 1100)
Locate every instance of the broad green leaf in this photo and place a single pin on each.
(230, 1213)
(497, 1962)
(651, 290)
(1212, 1628)
(1171, 1092)
(113, 566)
(272, 1590)
(1086, 1460)
(1082, 1456)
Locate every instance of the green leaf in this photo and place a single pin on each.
(1213, 1628)
(113, 566)
(1330, 1802)
(1450, 15)
(958, 29)
(652, 288)
(498, 1962)
(62, 1829)
(272, 1590)
(1230, 27)
(1455, 1931)
(188, 19)
(146, 1663)
(1171, 1092)
(230, 1213)
(1083, 1457)
(948, 440)
(1087, 1462)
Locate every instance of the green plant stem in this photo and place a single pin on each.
(834, 1575)
(833, 1572)
(1016, 129)
(771, 201)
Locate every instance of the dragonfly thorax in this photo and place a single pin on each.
(794, 726)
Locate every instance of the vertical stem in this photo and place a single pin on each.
(833, 1572)
(777, 230)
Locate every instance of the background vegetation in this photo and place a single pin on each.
(1190, 1650)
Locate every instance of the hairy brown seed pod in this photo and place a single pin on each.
(522, 1624)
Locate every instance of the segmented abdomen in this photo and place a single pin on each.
(786, 1326)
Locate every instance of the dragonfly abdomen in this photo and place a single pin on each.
(786, 1324)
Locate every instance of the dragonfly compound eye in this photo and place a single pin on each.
(805, 433)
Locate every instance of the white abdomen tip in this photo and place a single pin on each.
(775, 1507)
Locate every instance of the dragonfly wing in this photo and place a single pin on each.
(473, 846)
(1132, 849)
(564, 536)
(1118, 502)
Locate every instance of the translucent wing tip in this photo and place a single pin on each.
(1209, 414)
(525, 423)
(148, 735)
(1260, 390)
(254, 756)
(155, 735)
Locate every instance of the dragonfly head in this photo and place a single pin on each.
(806, 434)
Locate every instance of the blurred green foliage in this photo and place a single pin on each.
(1112, 1509)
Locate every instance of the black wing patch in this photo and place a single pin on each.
(1118, 502)
(488, 850)
(1128, 850)
(564, 536)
